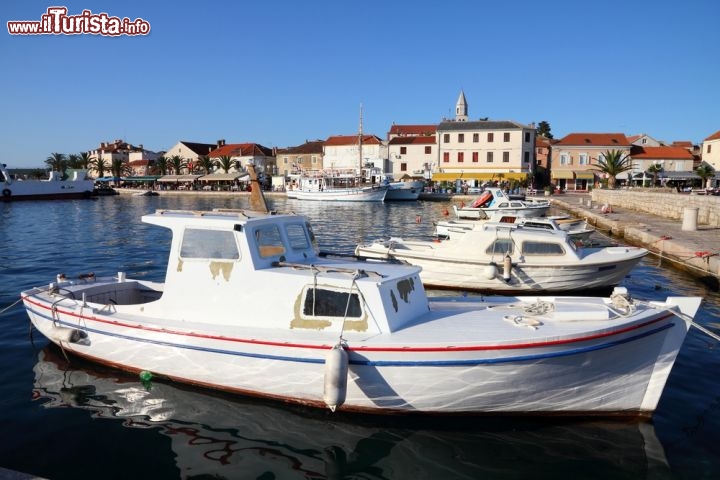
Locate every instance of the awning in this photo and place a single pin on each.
(452, 176)
(178, 178)
(584, 175)
(224, 177)
(146, 178)
(562, 174)
(678, 175)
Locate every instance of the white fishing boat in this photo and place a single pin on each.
(577, 228)
(510, 258)
(337, 185)
(248, 305)
(54, 187)
(493, 200)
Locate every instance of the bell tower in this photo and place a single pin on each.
(461, 108)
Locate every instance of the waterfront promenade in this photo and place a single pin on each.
(695, 251)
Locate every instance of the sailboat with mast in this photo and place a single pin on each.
(339, 184)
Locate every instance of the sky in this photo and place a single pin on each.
(279, 73)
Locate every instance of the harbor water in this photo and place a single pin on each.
(73, 420)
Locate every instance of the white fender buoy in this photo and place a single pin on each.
(507, 267)
(336, 373)
(490, 271)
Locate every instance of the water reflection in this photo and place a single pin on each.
(214, 436)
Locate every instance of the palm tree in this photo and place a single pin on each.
(613, 163)
(119, 168)
(73, 161)
(205, 163)
(705, 172)
(162, 165)
(178, 163)
(57, 161)
(99, 165)
(654, 170)
(225, 162)
(85, 160)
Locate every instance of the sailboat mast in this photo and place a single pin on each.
(360, 139)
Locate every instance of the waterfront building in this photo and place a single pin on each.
(242, 154)
(573, 165)
(191, 152)
(484, 150)
(676, 163)
(308, 156)
(344, 152)
(711, 151)
(111, 152)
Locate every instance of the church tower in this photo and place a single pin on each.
(461, 108)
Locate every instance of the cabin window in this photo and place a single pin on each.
(501, 246)
(201, 243)
(297, 237)
(542, 248)
(320, 302)
(269, 241)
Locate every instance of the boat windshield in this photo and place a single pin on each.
(203, 243)
(269, 241)
(542, 248)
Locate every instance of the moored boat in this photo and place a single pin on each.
(358, 336)
(338, 185)
(54, 187)
(510, 258)
(493, 200)
(404, 190)
(577, 228)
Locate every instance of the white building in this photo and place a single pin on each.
(343, 152)
(483, 150)
(711, 150)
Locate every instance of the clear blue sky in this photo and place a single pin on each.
(282, 72)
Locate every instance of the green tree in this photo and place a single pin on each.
(225, 162)
(613, 163)
(73, 161)
(118, 168)
(705, 172)
(654, 170)
(178, 164)
(543, 129)
(161, 165)
(205, 163)
(99, 165)
(85, 159)
(57, 161)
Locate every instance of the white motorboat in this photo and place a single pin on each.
(510, 258)
(577, 228)
(404, 190)
(494, 199)
(54, 187)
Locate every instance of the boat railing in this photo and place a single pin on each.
(355, 272)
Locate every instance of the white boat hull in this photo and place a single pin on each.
(369, 194)
(600, 365)
(404, 191)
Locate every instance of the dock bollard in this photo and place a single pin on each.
(690, 218)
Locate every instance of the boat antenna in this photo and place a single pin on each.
(257, 199)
